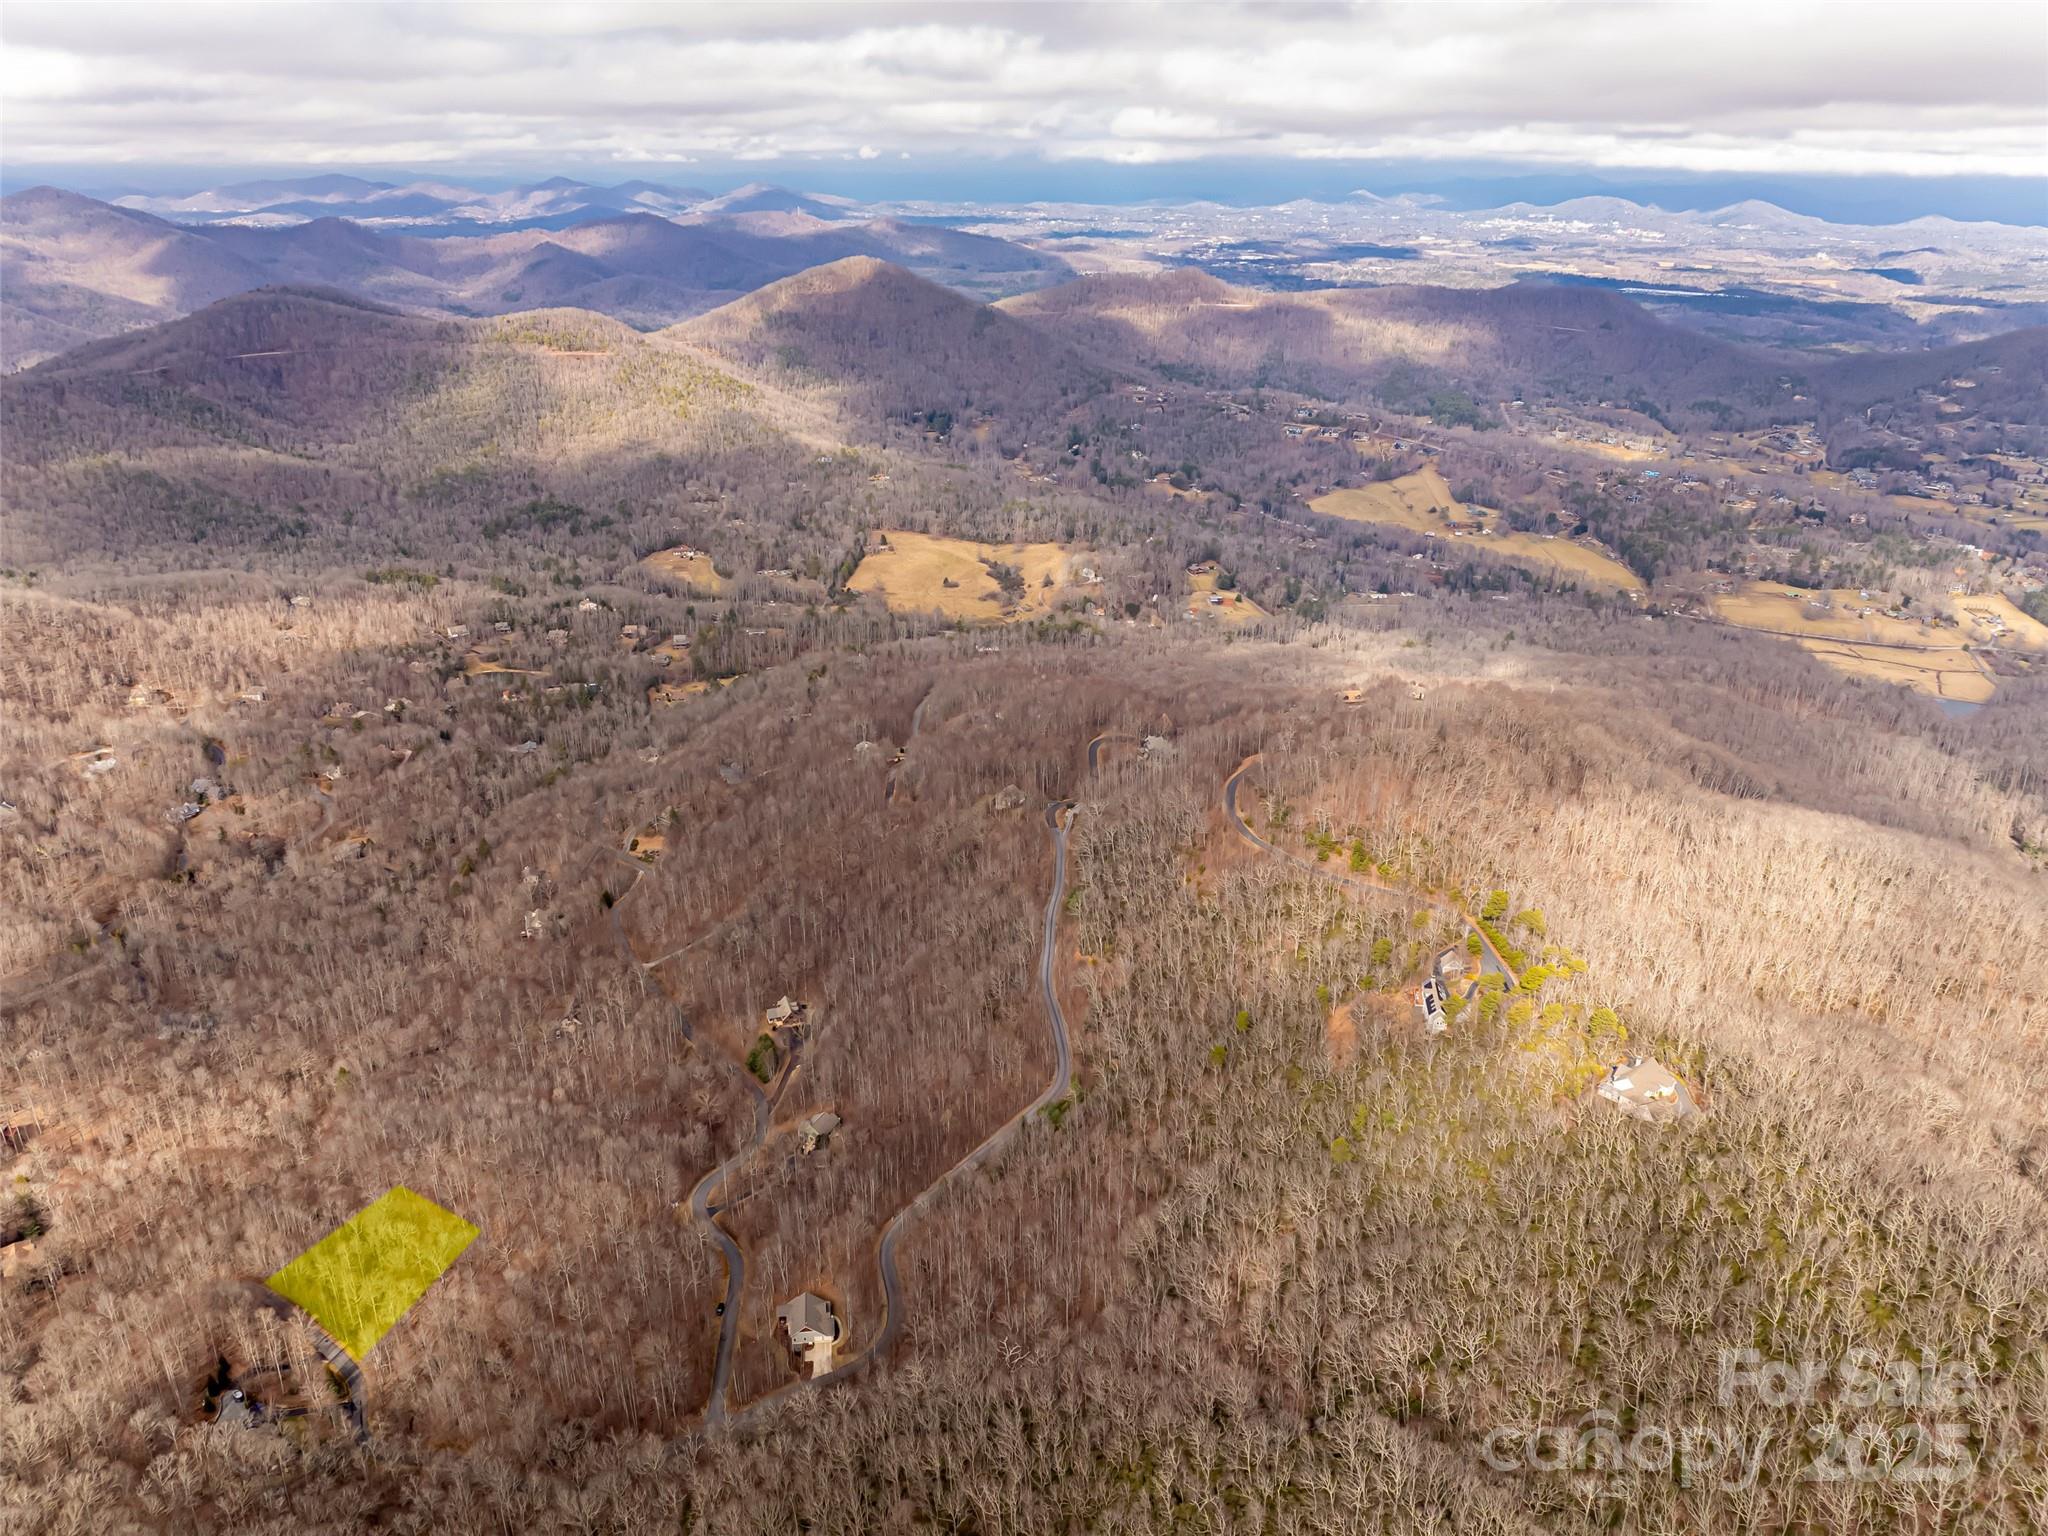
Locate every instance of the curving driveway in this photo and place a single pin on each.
(1059, 821)
(916, 725)
(1095, 747)
(735, 1261)
(700, 1196)
(343, 1364)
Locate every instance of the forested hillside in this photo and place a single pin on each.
(894, 346)
(1451, 353)
(1290, 1273)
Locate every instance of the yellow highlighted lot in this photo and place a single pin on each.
(362, 1277)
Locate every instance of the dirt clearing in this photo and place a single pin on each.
(1231, 608)
(1340, 1035)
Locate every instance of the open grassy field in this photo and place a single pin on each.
(1885, 650)
(923, 573)
(2028, 516)
(1983, 616)
(1952, 675)
(691, 567)
(1412, 502)
(1563, 555)
(1235, 608)
(1618, 451)
(1765, 605)
(1423, 503)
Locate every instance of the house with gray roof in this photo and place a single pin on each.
(812, 1330)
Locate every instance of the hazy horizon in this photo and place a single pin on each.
(2019, 201)
(1905, 113)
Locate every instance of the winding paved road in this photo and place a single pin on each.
(735, 1261)
(1059, 821)
(1095, 746)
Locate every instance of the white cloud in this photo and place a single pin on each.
(1731, 86)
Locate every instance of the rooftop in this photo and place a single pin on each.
(1646, 1088)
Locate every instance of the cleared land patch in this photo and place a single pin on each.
(1234, 607)
(1423, 503)
(1621, 451)
(477, 664)
(1836, 615)
(1942, 674)
(665, 692)
(691, 567)
(362, 1277)
(924, 573)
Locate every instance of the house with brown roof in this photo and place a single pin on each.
(1647, 1089)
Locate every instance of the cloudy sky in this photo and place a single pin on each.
(1785, 88)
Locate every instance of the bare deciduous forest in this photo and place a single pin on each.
(375, 816)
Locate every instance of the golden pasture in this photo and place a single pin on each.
(1423, 503)
(1766, 605)
(1943, 674)
(691, 567)
(924, 573)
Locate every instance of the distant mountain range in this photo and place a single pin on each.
(1752, 216)
(207, 425)
(654, 255)
(77, 269)
(442, 207)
